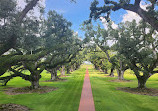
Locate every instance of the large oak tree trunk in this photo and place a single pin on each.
(54, 74)
(68, 70)
(142, 81)
(68, 67)
(106, 71)
(35, 77)
(35, 84)
(148, 17)
(112, 72)
(62, 71)
(120, 74)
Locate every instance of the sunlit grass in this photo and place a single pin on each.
(65, 98)
(107, 98)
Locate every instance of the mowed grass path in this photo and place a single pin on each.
(65, 98)
(107, 98)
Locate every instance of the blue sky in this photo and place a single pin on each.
(78, 12)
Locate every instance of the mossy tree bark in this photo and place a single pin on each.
(53, 74)
(120, 74)
(142, 81)
(34, 79)
(62, 70)
(34, 84)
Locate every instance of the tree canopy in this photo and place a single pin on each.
(149, 15)
(39, 44)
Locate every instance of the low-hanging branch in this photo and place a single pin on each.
(148, 16)
(64, 61)
(7, 62)
(16, 74)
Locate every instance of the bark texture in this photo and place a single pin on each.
(120, 74)
(142, 81)
(53, 74)
(62, 71)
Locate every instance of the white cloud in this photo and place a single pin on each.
(110, 43)
(130, 16)
(114, 26)
(21, 4)
(105, 24)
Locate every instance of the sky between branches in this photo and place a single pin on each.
(79, 12)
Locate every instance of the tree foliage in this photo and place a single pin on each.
(138, 44)
(38, 44)
(149, 15)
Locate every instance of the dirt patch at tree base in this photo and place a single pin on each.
(63, 76)
(26, 90)
(109, 76)
(143, 91)
(56, 80)
(13, 107)
(117, 80)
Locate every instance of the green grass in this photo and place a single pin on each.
(65, 98)
(107, 98)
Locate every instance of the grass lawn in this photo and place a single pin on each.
(107, 98)
(65, 98)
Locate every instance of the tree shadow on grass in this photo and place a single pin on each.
(143, 91)
(28, 90)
